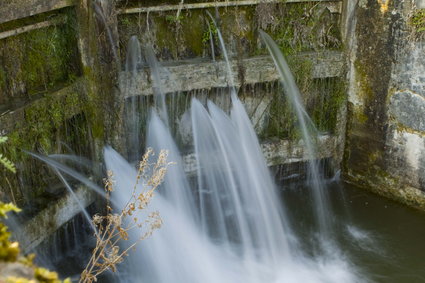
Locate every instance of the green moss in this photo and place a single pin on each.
(360, 116)
(417, 21)
(193, 26)
(366, 90)
(47, 125)
(329, 95)
(39, 60)
(92, 105)
(3, 81)
(211, 31)
(299, 27)
(42, 120)
(173, 38)
(374, 156)
(323, 99)
(281, 121)
(382, 183)
(296, 27)
(188, 36)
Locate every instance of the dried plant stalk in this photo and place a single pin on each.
(114, 228)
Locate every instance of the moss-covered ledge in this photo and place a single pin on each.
(46, 125)
(260, 69)
(65, 100)
(381, 183)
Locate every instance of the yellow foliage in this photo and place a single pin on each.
(10, 252)
(19, 280)
(384, 5)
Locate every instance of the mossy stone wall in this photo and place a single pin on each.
(60, 83)
(383, 152)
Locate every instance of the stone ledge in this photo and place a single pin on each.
(193, 75)
(334, 5)
(280, 152)
(18, 10)
(389, 187)
(32, 233)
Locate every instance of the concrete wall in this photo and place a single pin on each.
(61, 60)
(61, 73)
(385, 147)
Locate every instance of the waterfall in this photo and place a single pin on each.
(133, 62)
(227, 224)
(308, 131)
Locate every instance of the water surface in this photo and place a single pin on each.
(383, 239)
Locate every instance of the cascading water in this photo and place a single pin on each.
(308, 132)
(157, 72)
(230, 227)
(132, 64)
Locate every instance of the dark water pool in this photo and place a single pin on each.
(384, 240)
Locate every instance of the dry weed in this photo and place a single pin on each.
(113, 228)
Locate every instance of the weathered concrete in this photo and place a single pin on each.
(385, 139)
(100, 61)
(206, 75)
(420, 4)
(44, 24)
(280, 152)
(335, 5)
(18, 9)
(49, 220)
(408, 108)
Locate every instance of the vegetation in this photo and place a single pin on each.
(5, 161)
(39, 60)
(10, 254)
(418, 20)
(113, 229)
(299, 27)
(417, 24)
(34, 65)
(211, 31)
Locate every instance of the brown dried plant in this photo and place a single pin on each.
(114, 228)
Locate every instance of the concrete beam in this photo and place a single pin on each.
(206, 75)
(32, 233)
(164, 8)
(280, 152)
(58, 20)
(18, 10)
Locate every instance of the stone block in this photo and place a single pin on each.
(408, 108)
(420, 4)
